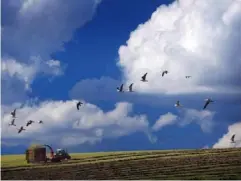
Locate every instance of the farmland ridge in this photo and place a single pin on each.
(208, 164)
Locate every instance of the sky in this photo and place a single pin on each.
(55, 53)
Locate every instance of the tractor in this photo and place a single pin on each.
(37, 154)
(59, 155)
(62, 154)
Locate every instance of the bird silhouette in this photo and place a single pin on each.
(12, 123)
(29, 122)
(21, 129)
(232, 138)
(178, 104)
(120, 89)
(13, 113)
(78, 104)
(188, 76)
(208, 101)
(130, 88)
(164, 72)
(40, 122)
(143, 78)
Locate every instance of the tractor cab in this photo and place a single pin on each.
(63, 154)
(60, 151)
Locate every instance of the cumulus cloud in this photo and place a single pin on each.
(27, 73)
(204, 118)
(164, 120)
(186, 38)
(91, 89)
(225, 141)
(185, 117)
(33, 28)
(63, 123)
(19, 76)
(31, 32)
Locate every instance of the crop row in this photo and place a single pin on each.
(154, 153)
(139, 168)
(166, 160)
(116, 157)
(173, 152)
(139, 173)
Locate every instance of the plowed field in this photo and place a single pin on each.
(208, 164)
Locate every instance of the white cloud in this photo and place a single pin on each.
(206, 147)
(186, 116)
(39, 28)
(17, 77)
(203, 118)
(186, 38)
(31, 31)
(225, 141)
(164, 120)
(63, 123)
(26, 73)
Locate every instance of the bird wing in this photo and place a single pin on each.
(121, 87)
(13, 112)
(206, 104)
(77, 105)
(130, 87)
(163, 74)
(233, 137)
(144, 76)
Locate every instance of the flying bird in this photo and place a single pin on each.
(21, 129)
(130, 88)
(29, 122)
(208, 101)
(12, 123)
(120, 89)
(232, 138)
(78, 104)
(178, 104)
(188, 76)
(40, 122)
(13, 113)
(143, 78)
(164, 72)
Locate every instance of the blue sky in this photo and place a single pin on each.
(85, 49)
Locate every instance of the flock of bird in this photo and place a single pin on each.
(119, 89)
(177, 104)
(13, 114)
(143, 79)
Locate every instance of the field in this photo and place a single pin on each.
(208, 164)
